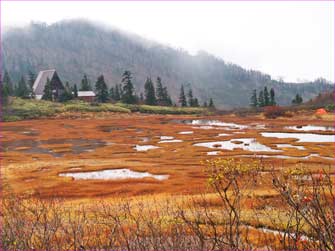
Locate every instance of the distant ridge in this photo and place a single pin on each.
(76, 47)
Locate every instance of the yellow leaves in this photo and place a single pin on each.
(222, 167)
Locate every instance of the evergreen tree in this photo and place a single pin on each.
(160, 92)
(195, 102)
(101, 89)
(7, 85)
(169, 101)
(149, 92)
(205, 104)
(85, 84)
(112, 93)
(141, 98)
(117, 95)
(297, 100)
(182, 98)
(120, 91)
(190, 97)
(266, 96)
(31, 79)
(75, 91)
(47, 92)
(261, 99)
(211, 103)
(22, 89)
(67, 94)
(272, 97)
(166, 97)
(4, 93)
(253, 99)
(128, 96)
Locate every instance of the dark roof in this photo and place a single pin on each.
(41, 80)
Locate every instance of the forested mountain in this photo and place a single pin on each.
(78, 47)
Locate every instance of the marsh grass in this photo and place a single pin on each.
(216, 222)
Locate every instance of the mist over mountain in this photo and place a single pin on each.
(78, 47)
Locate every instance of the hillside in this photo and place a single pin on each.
(78, 47)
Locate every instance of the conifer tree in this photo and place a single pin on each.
(182, 98)
(253, 99)
(160, 92)
(120, 91)
(195, 102)
(7, 84)
(211, 103)
(111, 93)
(149, 92)
(31, 79)
(128, 95)
(4, 93)
(47, 92)
(205, 104)
(261, 99)
(67, 94)
(266, 96)
(22, 89)
(101, 89)
(75, 91)
(117, 96)
(190, 98)
(297, 100)
(272, 97)
(85, 84)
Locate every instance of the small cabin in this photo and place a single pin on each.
(87, 96)
(56, 84)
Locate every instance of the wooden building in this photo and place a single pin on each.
(87, 96)
(56, 84)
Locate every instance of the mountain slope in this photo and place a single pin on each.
(77, 47)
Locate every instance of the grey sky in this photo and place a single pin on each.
(294, 40)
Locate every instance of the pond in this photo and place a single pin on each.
(248, 144)
(186, 132)
(113, 174)
(61, 146)
(142, 148)
(170, 141)
(311, 128)
(302, 137)
(208, 124)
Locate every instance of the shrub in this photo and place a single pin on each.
(273, 112)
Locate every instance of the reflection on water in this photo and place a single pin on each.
(248, 144)
(208, 124)
(186, 132)
(145, 147)
(311, 128)
(170, 141)
(74, 146)
(302, 137)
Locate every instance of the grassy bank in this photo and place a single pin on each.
(164, 109)
(21, 109)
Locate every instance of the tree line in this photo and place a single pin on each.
(154, 94)
(266, 98)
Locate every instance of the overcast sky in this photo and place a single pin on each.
(294, 40)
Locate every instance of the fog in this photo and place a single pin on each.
(292, 40)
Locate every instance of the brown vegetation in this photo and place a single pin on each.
(221, 206)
